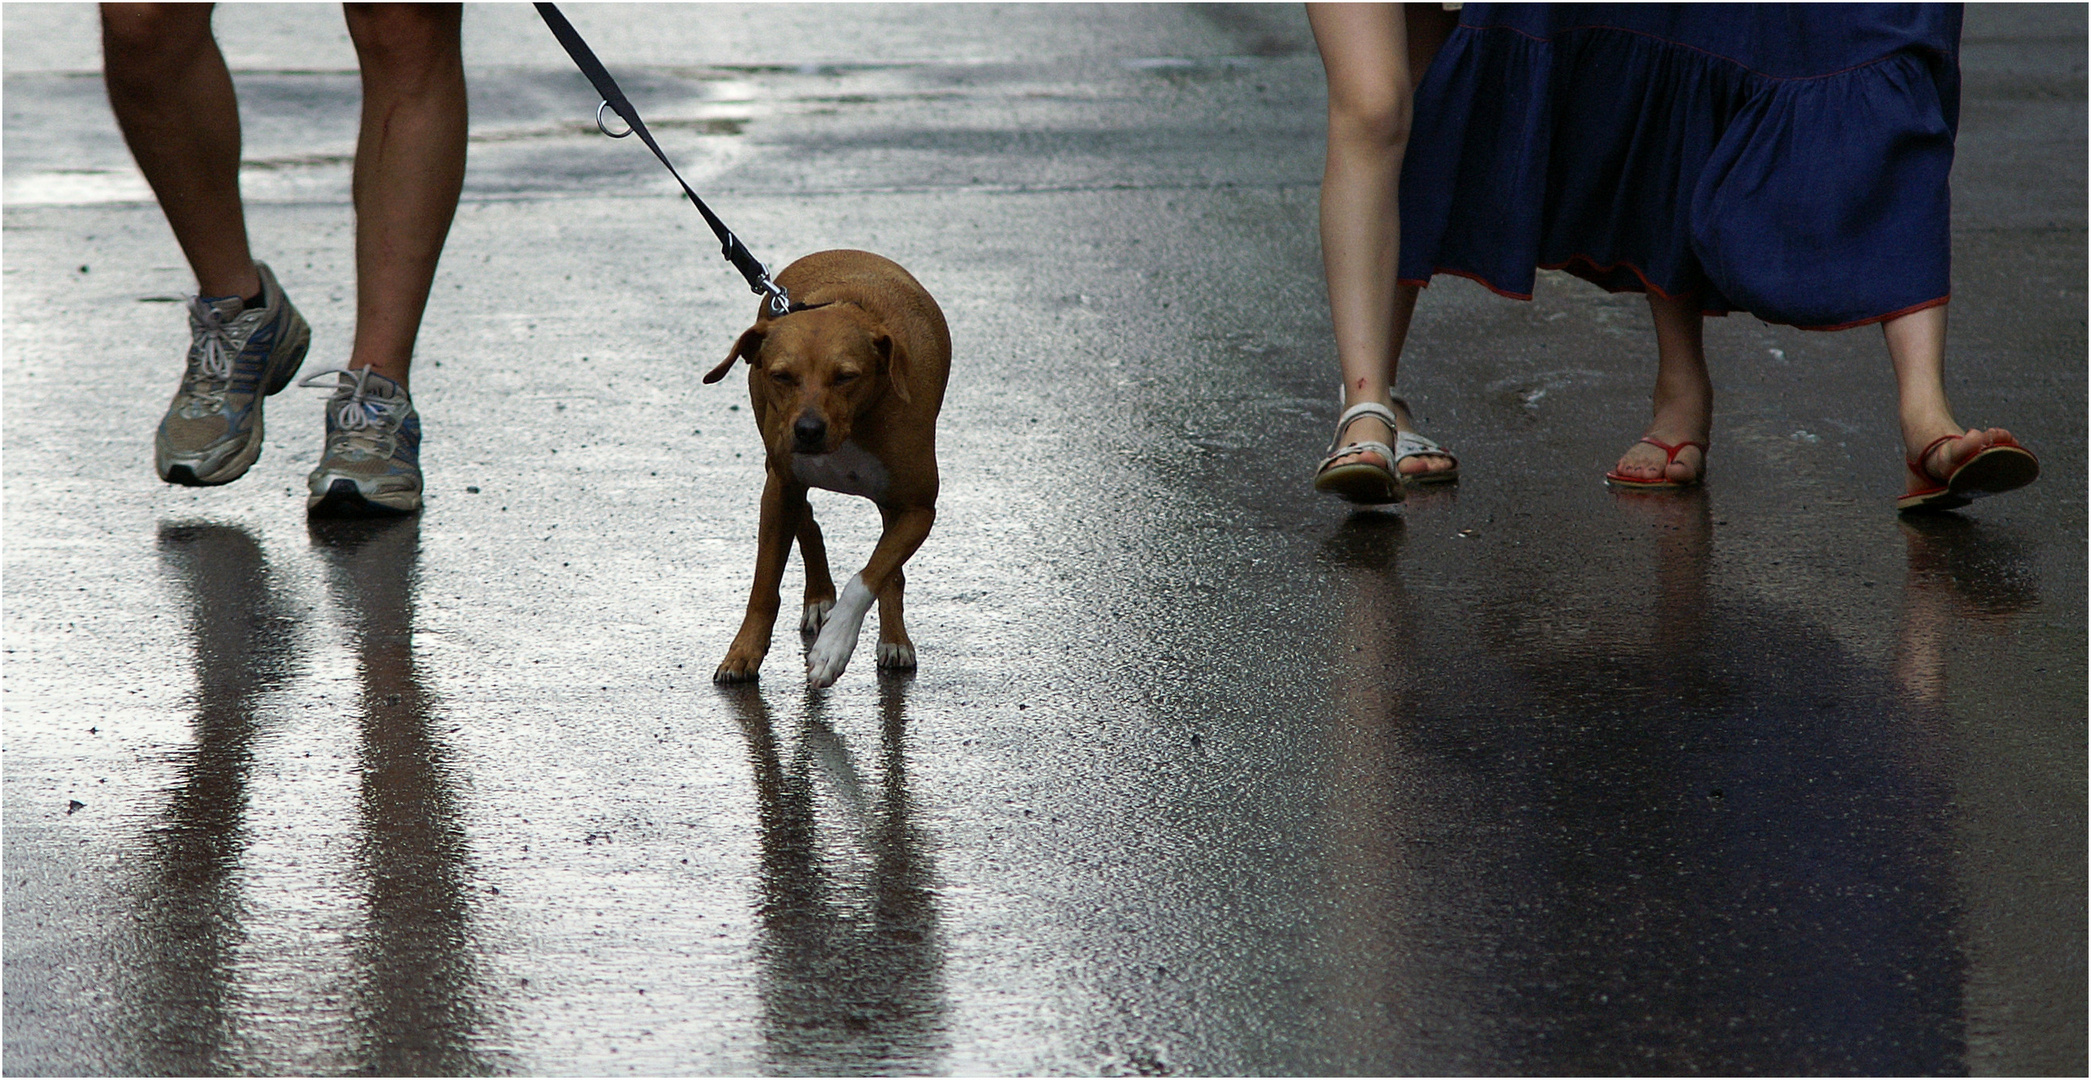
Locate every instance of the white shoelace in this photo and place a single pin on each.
(359, 412)
(215, 370)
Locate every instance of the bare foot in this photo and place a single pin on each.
(1644, 461)
(1683, 414)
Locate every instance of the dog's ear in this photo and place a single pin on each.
(748, 347)
(894, 356)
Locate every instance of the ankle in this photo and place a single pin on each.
(394, 371)
(1923, 428)
(1354, 394)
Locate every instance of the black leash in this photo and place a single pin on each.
(613, 98)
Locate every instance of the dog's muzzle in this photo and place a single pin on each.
(810, 435)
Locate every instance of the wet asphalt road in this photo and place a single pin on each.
(1199, 774)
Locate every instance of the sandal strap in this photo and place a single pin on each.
(1673, 449)
(1916, 464)
(1358, 412)
(1408, 444)
(1363, 446)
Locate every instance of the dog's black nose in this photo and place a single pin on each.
(811, 434)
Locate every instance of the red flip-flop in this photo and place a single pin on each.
(1635, 483)
(1999, 467)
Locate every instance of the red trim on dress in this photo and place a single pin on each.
(1477, 278)
(1598, 267)
(1911, 310)
(1650, 286)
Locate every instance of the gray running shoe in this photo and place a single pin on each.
(372, 464)
(237, 357)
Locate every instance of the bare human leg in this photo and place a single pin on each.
(1371, 59)
(410, 168)
(173, 99)
(1683, 397)
(1917, 348)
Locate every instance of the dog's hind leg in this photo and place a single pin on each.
(820, 585)
(896, 651)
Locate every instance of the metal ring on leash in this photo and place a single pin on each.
(604, 128)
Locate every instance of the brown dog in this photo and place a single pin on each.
(846, 388)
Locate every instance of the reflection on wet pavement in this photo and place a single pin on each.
(1964, 578)
(1201, 774)
(415, 1005)
(1715, 846)
(417, 992)
(189, 905)
(851, 958)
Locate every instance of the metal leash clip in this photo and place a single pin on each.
(776, 301)
(779, 300)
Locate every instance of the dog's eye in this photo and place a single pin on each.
(844, 377)
(783, 378)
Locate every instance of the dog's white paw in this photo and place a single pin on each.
(815, 615)
(838, 636)
(896, 657)
(830, 653)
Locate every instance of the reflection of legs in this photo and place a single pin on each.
(410, 167)
(174, 100)
(415, 961)
(1683, 397)
(1681, 529)
(1917, 347)
(1962, 577)
(1367, 808)
(190, 912)
(1683, 552)
(1368, 56)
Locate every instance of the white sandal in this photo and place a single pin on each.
(1408, 444)
(1360, 481)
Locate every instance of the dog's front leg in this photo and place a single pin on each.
(820, 585)
(906, 528)
(896, 650)
(783, 504)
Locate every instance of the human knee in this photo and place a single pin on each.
(1377, 116)
(144, 45)
(405, 40)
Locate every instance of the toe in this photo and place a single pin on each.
(1422, 464)
(1363, 457)
(1635, 463)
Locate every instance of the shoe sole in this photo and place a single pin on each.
(1994, 471)
(343, 499)
(1367, 485)
(1628, 483)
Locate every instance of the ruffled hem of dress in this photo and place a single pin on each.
(1761, 193)
(1646, 286)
